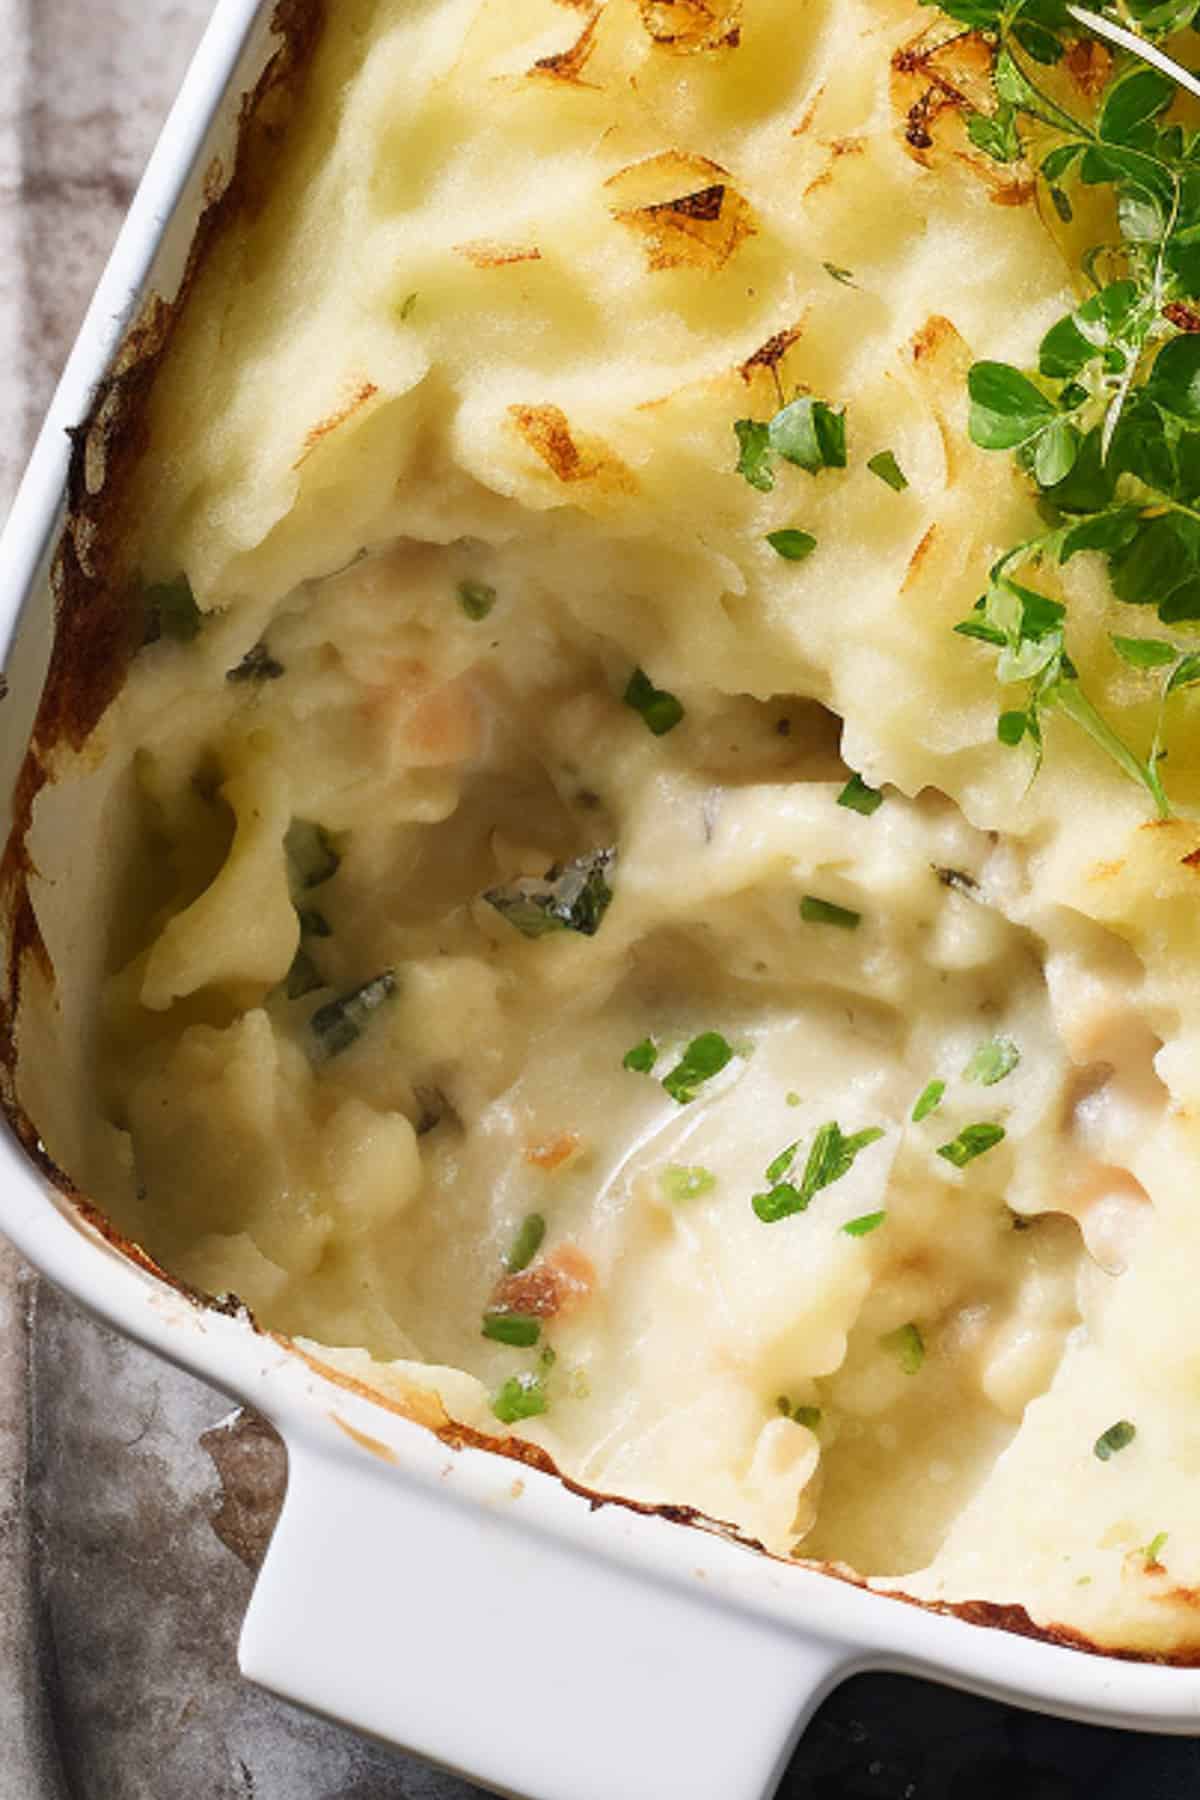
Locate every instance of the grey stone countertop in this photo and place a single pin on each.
(133, 1506)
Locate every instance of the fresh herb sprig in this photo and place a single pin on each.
(1107, 427)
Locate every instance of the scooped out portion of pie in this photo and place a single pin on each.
(651, 828)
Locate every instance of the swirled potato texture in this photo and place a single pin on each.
(444, 449)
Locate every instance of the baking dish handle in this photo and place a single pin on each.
(519, 1659)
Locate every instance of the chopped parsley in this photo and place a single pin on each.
(170, 611)
(831, 1156)
(857, 797)
(884, 465)
(809, 1416)
(845, 276)
(642, 1058)
(809, 433)
(908, 1345)
(572, 896)
(312, 859)
(1117, 1437)
(526, 1244)
(476, 599)
(864, 1226)
(928, 1101)
(521, 1397)
(514, 1329)
(704, 1057)
(680, 1182)
(661, 712)
(992, 1062)
(257, 665)
(791, 544)
(972, 1141)
(341, 1023)
(825, 912)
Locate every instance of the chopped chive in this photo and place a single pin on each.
(571, 897)
(992, 1061)
(907, 1344)
(972, 1141)
(476, 599)
(831, 1156)
(884, 465)
(521, 1397)
(660, 711)
(776, 1170)
(845, 276)
(929, 1101)
(526, 1244)
(339, 1024)
(862, 1227)
(704, 1057)
(793, 545)
(1117, 1437)
(683, 1183)
(642, 1058)
(825, 912)
(514, 1329)
(860, 798)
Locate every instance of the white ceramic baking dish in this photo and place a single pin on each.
(429, 1590)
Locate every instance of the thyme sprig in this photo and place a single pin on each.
(1107, 427)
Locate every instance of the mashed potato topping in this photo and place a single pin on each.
(590, 954)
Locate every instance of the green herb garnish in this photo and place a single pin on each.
(1117, 1437)
(642, 1058)
(791, 1099)
(888, 470)
(704, 1057)
(257, 665)
(311, 857)
(1107, 427)
(681, 1183)
(807, 1415)
(929, 1100)
(807, 432)
(660, 711)
(907, 1344)
(521, 1397)
(972, 1141)
(824, 912)
(791, 544)
(341, 1023)
(526, 1244)
(845, 276)
(514, 1329)
(865, 1225)
(404, 311)
(992, 1062)
(831, 1156)
(572, 897)
(1154, 1548)
(860, 798)
(476, 599)
(170, 611)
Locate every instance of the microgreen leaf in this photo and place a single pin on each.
(754, 454)
(1144, 653)
(863, 1226)
(811, 434)
(1006, 408)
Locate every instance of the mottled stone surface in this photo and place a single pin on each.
(133, 1506)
